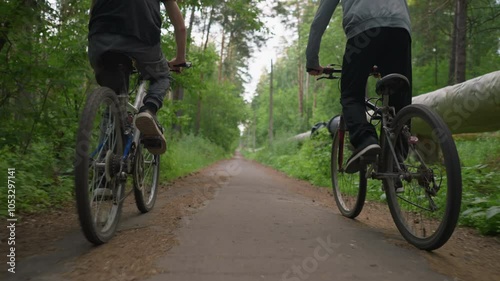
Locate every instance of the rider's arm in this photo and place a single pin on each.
(318, 27)
(175, 16)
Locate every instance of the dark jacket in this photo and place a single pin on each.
(140, 19)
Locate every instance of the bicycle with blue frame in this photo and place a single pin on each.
(109, 150)
(418, 166)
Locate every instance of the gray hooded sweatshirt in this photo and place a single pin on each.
(359, 16)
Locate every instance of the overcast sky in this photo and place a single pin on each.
(270, 50)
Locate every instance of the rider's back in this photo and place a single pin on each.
(139, 19)
(361, 15)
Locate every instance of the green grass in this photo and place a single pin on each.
(44, 181)
(479, 156)
(189, 154)
(308, 160)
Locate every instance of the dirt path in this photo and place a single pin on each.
(238, 220)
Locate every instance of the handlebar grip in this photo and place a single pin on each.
(187, 64)
(328, 70)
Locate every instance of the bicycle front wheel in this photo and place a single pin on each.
(424, 183)
(349, 190)
(146, 178)
(98, 187)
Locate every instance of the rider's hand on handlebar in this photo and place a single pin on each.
(177, 64)
(315, 71)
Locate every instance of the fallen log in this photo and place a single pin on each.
(469, 107)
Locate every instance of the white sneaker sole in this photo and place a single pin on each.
(147, 125)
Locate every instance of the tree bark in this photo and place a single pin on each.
(178, 95)
(190, 27)
(461, 52)
(453, 55)
(208, 28)
(198, 115)
(197, 122)
(221, 59)
(271, 121)
(300, 72)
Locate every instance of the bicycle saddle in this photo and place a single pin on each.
(392, 84)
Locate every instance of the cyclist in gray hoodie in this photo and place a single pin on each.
(378, 33)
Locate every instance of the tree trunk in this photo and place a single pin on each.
(197, 121)
(461, 52)
(229, 56)
(190, 27)
(178, 95)
(221, 59)
(271, 106)
(453, 55)
(198, 115)
(254, 128)
(208, 28)
(300, 72)
(301, 88)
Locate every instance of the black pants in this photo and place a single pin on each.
(390, 50)
(149, 60)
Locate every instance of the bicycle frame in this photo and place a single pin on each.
(131, 132)
(385, 113)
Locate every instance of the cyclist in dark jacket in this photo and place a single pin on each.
(378, 33)
(133, 28)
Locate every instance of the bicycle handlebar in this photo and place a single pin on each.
(187, 64)
(331, 70)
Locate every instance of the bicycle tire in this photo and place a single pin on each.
(95, 165)
(349, 190)
(424, 194)
(145, 164)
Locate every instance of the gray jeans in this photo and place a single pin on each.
(149, 60)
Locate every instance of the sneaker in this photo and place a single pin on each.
(151, 132)
(363, 155)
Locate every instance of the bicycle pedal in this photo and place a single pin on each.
(151, 142)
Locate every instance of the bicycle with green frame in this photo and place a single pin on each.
(418, 166)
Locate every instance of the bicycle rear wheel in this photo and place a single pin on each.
(146, 178)
(424, 195)
(98, 187)
(349, 190)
